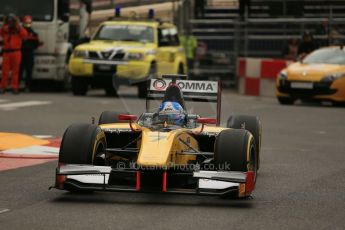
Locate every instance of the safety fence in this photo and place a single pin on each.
(228, 39)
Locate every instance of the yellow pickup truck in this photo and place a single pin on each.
(124, 52)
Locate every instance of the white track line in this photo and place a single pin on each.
(4, 210)
(43, 136)
(15, 105)
(3, 101)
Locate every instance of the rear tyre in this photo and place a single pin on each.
(286, 100)
(250, 123)
(236, 148)
(110, 117)
(80, 86)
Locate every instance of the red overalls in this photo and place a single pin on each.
(11, 55)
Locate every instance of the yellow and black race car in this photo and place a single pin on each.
(320, 76)
(167, 150)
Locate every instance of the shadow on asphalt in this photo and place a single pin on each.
(153, 199)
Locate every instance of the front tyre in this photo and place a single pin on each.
(83, 144)
(250, 123)
(235, 150)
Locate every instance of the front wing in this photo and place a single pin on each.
(100, 178)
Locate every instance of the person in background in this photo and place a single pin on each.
(335, 36)
(290, 51)
(190, 44)
(85, 18)
(307, 45)
(30, 44)
(13, 35)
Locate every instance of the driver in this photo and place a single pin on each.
(172, 113)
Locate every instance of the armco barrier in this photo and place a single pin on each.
(257, 76)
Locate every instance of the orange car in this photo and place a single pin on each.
(320, 76)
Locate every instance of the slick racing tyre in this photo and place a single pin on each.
(250, 123)
(110, 117)
(83, 144)
(236, 148)
(80, 86)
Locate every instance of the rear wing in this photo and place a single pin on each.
(193, 90)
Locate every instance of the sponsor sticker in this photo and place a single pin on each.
(186, 86)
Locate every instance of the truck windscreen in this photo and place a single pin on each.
(40, 10)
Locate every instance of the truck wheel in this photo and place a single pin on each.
(65, 84)
(80, 86)
(110, 90)
(110, 117)
(181, 69)
(236, 148)
(250, 123)
(142, 89)
(286, 100)
(83, 144)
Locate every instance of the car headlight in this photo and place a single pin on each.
(135, 56)
(151, 52)
(80, 54)
(282, 76)
(332, 77)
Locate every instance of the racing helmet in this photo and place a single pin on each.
(172, 113)
(27, 21)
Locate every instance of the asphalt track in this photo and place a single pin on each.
(301, 184)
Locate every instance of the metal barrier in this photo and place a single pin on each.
(263, 36)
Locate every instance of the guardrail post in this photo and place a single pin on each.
(246, 24)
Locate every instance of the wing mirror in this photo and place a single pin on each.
(203, 120)
(127, 117)
(131, 119)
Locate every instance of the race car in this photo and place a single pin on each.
(319, 76)
(167, 149)
(126, 52)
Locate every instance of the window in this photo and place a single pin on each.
(168, 37)
(132, 33)
(326, 56)
(41, 10)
